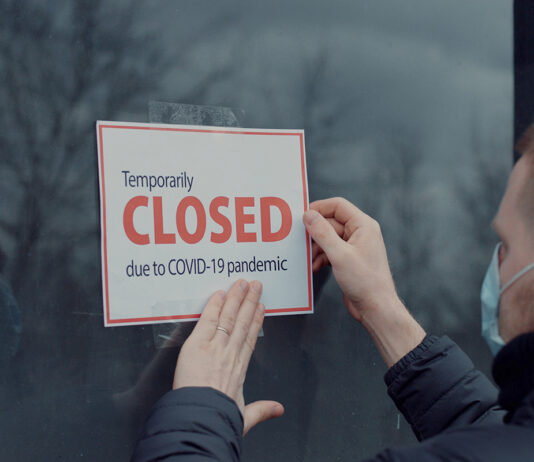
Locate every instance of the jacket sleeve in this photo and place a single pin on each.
(192, 424)
(436, 387)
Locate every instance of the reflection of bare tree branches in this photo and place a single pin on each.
(200, 90)
(320, 111)
(479, 196)
(62, 67)
(56, 78)
(403, 206)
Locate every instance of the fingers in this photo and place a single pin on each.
(209, 318)
(260, 411)
(324, 234)
(249, 342)
(319, 262)
(338, 227)
(316, 250)
(344, 218)
(246, 314)
(228, 314)
(340, 209)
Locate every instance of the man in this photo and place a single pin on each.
(454, 410)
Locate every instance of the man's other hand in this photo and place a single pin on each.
(218, 351)
(351, 241)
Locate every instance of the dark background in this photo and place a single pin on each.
(408, 112)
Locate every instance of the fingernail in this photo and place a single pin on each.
(256, 286)
(243, 285)
(310, 217)
(277, 409)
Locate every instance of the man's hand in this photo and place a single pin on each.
(219, 349)
(352, 243)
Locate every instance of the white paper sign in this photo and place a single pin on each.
(188, 210)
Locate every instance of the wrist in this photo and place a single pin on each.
(380, 307)
(393, 329)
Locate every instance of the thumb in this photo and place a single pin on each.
(322, 233)
(260, 411)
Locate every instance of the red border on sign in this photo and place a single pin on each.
(110, 321)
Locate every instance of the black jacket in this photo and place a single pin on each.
(451, 407)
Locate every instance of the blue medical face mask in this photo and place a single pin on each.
(490, 296)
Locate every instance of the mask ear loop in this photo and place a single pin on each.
(517, 276)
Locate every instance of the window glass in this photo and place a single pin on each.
(407, 110)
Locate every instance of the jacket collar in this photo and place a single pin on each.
(513, 371)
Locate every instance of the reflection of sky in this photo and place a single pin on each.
(427, 73)
(424, 68)
(417, 75)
